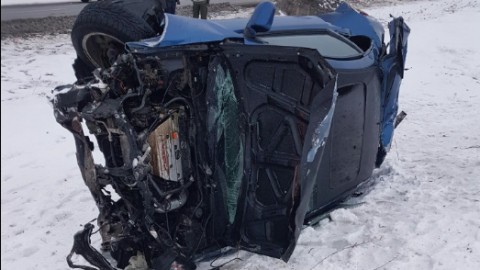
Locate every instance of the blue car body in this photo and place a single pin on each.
(272, 125)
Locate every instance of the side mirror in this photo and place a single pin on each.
(261, 20)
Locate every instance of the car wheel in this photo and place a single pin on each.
(102, 28)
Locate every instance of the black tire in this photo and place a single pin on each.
(102, 28)
(85, 1)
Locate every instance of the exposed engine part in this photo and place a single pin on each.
(145, 132)
(172, 203)
(166, 156)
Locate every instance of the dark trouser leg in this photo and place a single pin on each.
(170, 8)
(196, 10)
(203, 11)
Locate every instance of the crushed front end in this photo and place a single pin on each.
(147, 131)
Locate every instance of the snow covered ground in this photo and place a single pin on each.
(421, 212)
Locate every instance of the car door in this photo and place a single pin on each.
(269, 115)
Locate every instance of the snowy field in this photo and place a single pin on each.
(422, 210)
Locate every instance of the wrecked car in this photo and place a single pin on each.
(227, 133)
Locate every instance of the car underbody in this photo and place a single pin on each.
(218, 144)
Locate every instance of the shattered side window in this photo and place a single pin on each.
(326, 44)
(224, 124)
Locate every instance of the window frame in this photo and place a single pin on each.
(335, 35)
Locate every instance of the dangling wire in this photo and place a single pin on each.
(223, 264)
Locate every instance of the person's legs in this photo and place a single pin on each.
(196, 10)
(170, 7)
(204, 10)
